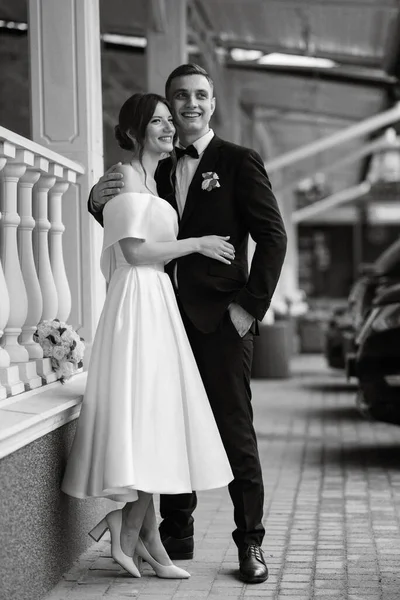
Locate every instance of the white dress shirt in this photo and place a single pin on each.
(186, 168)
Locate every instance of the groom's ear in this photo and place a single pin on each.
(213, 104)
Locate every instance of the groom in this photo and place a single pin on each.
(218, 188)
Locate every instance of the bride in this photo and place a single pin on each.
(146, 425)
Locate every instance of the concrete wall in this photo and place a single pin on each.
(42, 531)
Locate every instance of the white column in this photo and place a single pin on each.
(166, 43)
(66, 105)
(25, 247)
(56, 250)
(41, 247)
(287, 288)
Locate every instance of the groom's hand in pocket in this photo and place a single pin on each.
(240, 318)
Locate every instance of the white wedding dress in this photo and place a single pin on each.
(146, 423)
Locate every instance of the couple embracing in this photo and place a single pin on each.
(167, 408)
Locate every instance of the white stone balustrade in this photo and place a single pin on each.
(33, 279)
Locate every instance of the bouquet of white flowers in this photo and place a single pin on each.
(62, 345)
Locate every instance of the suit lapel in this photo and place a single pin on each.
(195, 193)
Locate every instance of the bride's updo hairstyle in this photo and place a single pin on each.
(133, 119)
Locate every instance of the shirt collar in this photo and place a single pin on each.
(202, 143)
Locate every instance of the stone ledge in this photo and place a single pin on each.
(31, 415)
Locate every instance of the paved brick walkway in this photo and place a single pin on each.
(332, 508)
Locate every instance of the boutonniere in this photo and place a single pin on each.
(210, 181)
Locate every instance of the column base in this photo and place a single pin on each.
(45, 370)
(29, 376)
(10, 379)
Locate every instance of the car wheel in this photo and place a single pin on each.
(377, 400)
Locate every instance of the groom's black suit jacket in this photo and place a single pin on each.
(243, 204)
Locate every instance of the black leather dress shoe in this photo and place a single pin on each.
(178, 548)
(252, 567)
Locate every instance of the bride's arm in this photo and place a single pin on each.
(137, 252)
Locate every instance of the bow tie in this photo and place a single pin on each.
(190, 151)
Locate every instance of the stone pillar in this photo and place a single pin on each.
(66, 106)
(287, 288)
(231, 124)
(166, 42)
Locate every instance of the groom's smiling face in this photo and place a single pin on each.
(193, 103)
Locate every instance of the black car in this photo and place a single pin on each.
(340, 348)
(339, 326)
(377, 361)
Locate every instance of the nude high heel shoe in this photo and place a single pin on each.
(113, 522)
(163, 571)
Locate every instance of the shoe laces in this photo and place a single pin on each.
(254, 550)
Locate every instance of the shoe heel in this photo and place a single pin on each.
(99, 530)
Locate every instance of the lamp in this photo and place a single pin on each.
(384, 170)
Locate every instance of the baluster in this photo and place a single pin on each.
(42, 259)
(10, 375)
(4, 305)
(4, 314)
(56, 249)
(41, 246)
(25, 247)
(27, 370)
(12, 269)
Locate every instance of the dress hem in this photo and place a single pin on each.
(82, 496)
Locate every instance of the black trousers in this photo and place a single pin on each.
(224, 361)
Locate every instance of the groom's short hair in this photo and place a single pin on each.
(188, 69)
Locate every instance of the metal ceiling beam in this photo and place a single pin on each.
(365, 77)
(357, 130)
(344, 59)
(377, 4)
(343, 197)
(376, 145)
(299, 116)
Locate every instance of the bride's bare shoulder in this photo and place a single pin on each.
(132, 179)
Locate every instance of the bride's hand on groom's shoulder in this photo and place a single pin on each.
(108, 186)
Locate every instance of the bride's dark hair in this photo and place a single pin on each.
(134, 116)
